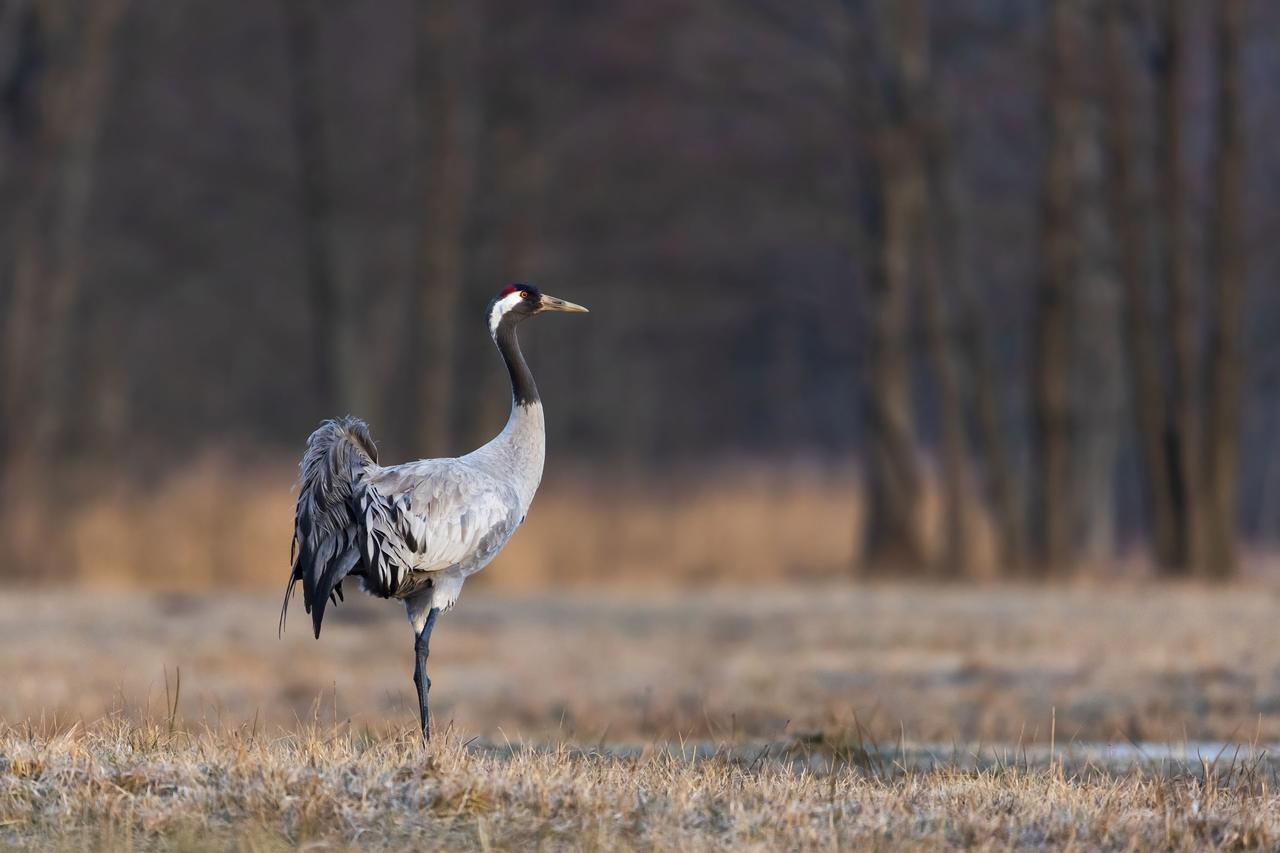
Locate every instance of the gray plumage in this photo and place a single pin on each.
(416, 531)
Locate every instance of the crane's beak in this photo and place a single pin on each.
(550, 303)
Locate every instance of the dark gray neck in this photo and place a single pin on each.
(523, 389)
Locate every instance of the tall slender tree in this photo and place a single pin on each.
(954, 558)
(88, 57)
(1224, 360)
(942, 255)
(1127, 213)
(70, 50)
(334, 356)
(22, 65)
(992, 438)
(49, 234)
(1182, 428)
(885, 61)
(1094, 339)
(1051, 432)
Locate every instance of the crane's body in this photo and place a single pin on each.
(416, 531)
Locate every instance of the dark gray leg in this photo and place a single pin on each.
(420, 679)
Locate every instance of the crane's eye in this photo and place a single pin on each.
(524, 294)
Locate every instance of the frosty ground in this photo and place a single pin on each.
(1031, 717)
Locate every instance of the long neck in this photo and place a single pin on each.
(517, 453)
(523, 389)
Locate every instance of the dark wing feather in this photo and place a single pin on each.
(383, 523)
(339, 455)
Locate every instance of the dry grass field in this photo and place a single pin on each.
(875, 716)
(123, 786)
(937, 664)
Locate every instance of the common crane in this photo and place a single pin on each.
(416, 531)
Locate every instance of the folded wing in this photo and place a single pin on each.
(386, 525)
(430, 516)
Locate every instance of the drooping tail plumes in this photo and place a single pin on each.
(325, 542)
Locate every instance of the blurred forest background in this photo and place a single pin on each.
(938, 289)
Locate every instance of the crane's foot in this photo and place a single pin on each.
(420, 679)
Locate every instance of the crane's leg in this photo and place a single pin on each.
(420, 679)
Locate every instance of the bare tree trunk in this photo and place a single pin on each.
(960, 354)
(971, 347)
(1096, 352)
(88, 99)
(46, 236)
(955, 557)
(992, 439)
(1127, 213)
(892, 184)
(941, 251)
(24, 164)
(1050, 390)
(335, 352)
(894, 539)
(1222, 435)
(447, 118)
(21, 318)
(1182, 441)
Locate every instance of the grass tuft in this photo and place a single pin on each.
(221, 788)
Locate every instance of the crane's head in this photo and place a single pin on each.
(518, 302)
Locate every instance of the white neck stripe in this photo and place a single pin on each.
(500, 308)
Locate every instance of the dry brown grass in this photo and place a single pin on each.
(223, 522)
(933, 664)
(128, 786)
(762, 718)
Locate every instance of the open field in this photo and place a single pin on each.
(936, 664)
(120, 786)
(870, 716)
